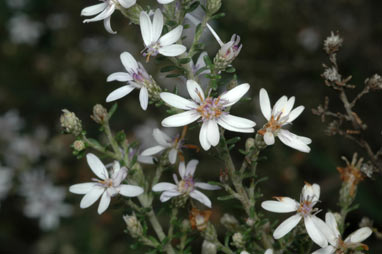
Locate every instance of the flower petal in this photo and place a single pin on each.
(195, 91)
(172, 50)
(195, 194)
(234, 95)
(107, 25)
(97, 166)
(265, 104)
(144, 98)
(157, 25)
(332, 224)
(165, 196)
(283, 205)
(326, 231)
(165, 1)
(129, 62)
(119, 76)
(206, 186)
(269, 138)
(153, 150)
(127, 3)
(229, 127)
(213, 133)
(119, 93)
(295, 113)
(203, 138)
(172, 155)
(311, 192)
(314, 232)
(130, 190)
(92, 196)
(104, 203)
(286, 226)
(182, 169)
(146, 28)
(177, 102)
(293, 141)
(359, 235)
(162, 138)
(327, 250)
(191, 167)
(279, 105)
(106, 13)
(238, 122)
(288, 106)
(164, 186)
(171, 37)
(94, 9)
(81, 188)
(180, 119)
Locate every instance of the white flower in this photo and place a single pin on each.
(186, 186)
(136, 76)
(281, 115)
(104, 10)
(334, 237)
(309, 197)
(164, 142)
(211, 110)
(154, 43)
(107, 186)
(165, 1)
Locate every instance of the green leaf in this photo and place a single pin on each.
(168, 68)
(184, 60)
(193, 6)
(175, 75)
(233, 140)
(112, 110)
(223, 198)
(207, 61)
(230, 69)
(218, 16)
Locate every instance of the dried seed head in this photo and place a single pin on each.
(332, 43)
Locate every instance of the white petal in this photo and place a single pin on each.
(144, 98)
(165, 196)
(129, 62)
(130, 190)
(314, 233)
(172, 50)
(182, 169)
(164, 186)
(195, 194)
(81, 188)
(195, 91)
(177, 102)
(104, 203)
(206, 186)
(157, 25)
(203, 138)
(279, 105)
(283, 205)
(332, 224)
(234, 95)
(359, 236)
(127, 3)
(288, 106)
(286, 226)
(93, 10)
(107, 25)
(238, 122)
(229, 127)
(311, 192)
(295, 113)
(103, 15)
(146, 28)
(213, 133)
(265, 104)
(165, 1)
(97, 166)
(172, 155)
(269, 138)
(119, 76)
(92, 196)
(171, 37)
(146, 159)
(119, 93)
(327, 250)
(200, 62)
(162, 138)
(180, 119)
(153, 150)
(293, 141)
(191, 167)
(325, 230)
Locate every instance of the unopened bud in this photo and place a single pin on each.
(213, 6)
(100, 114)
(210, 233)
(133, 225)
(229, 222)
(332, 43)
(331, 74)
(209, 248)
(375, 82)
(238, 240)
(250, 222)
(70, 123)
(249, 143)
(78, 145)
(228, 52)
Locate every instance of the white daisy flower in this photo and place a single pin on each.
(211, 110)
(137, 78)
(337, 245)
(164, 142)
(304, 210)
(186, 186)
(154, 42)
(281, 115)
(104, 10)
(107, 187)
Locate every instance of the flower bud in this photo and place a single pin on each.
(100, 114)
(70, 123)
(238, 240)
(133, 225)
(208, 248)
(249, 143)
(332, 43)
(375, 82)
(213, 6)
(210, 233)
(229, 222)
(228, 52)
(331, 74)
(78, 145)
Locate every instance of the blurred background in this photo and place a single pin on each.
(50, 61)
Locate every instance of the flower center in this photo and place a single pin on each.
(186, 185)
(151, 50)
(210, 108)
(273, 125)
(107, 183)
(306, 208)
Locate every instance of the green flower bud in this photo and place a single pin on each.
(70, 123)
(100, 114)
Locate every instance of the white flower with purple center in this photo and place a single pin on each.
(104, 10)
(211, 110)
(137, 78)
(279, 116)
(186, 186)
(337, 245)
(155, 43)
(304, 210)
(105, 186)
